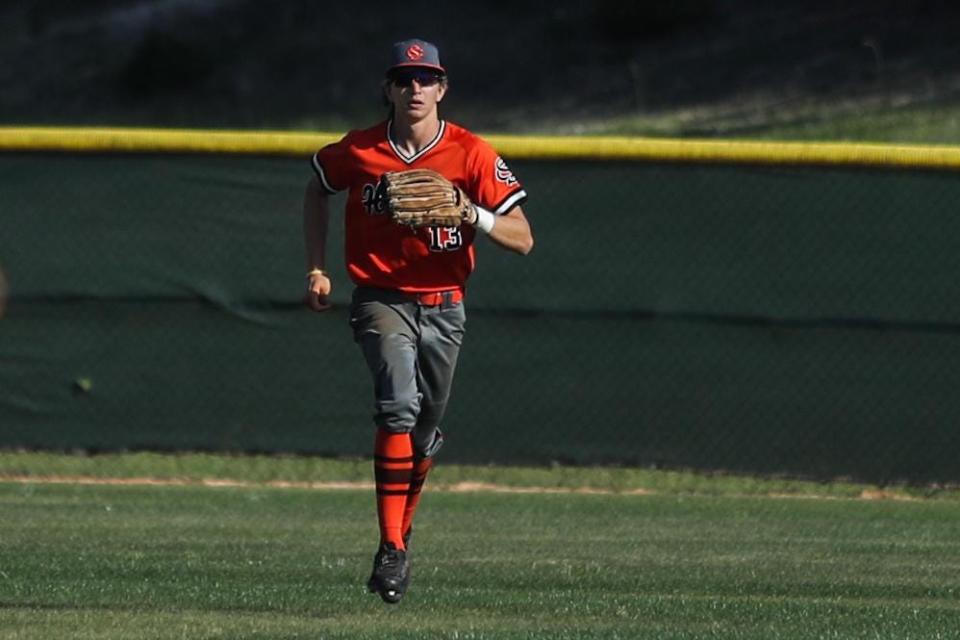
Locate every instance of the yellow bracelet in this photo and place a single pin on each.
(316, 272)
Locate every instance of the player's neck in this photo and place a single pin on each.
(412, 136)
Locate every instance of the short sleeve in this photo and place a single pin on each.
(496, 187)
(331, 164)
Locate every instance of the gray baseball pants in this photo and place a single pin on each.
(411, 351)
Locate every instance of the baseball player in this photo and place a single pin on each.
(420, 190)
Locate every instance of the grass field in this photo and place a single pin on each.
(260, 561)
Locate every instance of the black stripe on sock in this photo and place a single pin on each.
(391, 476)
(391, 492)
(379, 458)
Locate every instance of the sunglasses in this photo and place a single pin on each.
(424, 78)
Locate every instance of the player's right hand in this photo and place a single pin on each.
(318, 290)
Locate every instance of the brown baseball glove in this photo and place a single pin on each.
(424, 198)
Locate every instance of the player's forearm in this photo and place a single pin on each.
(316, 216)
(512, 232)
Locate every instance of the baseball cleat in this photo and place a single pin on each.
(391, 573)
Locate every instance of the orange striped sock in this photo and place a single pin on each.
(420, 470)
(393, 468)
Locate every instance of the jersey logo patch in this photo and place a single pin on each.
(374, 197)
(504, 174)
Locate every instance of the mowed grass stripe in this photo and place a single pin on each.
(228, 562)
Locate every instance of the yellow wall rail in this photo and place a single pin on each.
(134, 140)
(111, 140)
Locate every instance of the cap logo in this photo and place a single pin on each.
(414, 52)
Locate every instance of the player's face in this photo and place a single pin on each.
(415, 93)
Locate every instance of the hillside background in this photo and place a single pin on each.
(880, 70)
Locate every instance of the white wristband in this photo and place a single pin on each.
(485, 219)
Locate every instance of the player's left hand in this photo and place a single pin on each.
(318, 290)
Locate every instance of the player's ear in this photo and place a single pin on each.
(442, 90)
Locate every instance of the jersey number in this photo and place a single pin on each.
(445, 238)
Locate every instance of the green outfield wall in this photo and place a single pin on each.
(737, 310)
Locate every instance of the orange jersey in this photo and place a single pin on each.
(383, 254)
